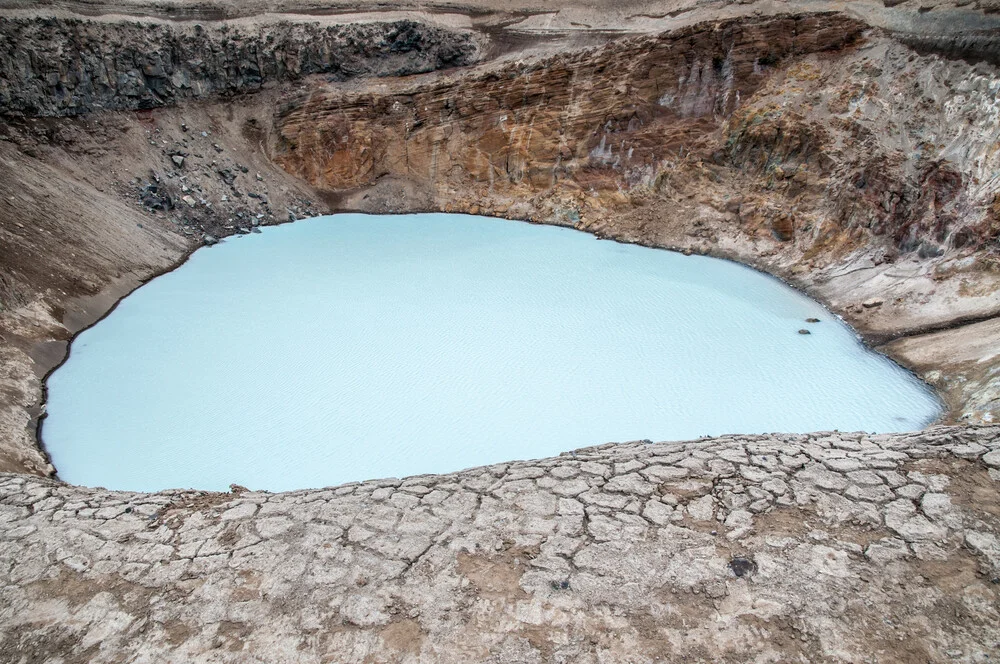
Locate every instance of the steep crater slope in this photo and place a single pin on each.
(616, 111)
(809, 145)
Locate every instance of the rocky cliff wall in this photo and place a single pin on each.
(881, 142)
(622, 108)
(70, 66)
(973, 45)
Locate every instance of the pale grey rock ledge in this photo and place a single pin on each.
(863, 548)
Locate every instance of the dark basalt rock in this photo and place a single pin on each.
(59, 67)
(742, 566)
(969, 45)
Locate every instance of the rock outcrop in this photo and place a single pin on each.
(788, 121)
(71, 66)
(608, 116)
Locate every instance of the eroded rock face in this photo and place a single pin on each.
(969, 44)
(603, 117)
(55, 67)
(787, 125)
(898, 146)
(774, 548)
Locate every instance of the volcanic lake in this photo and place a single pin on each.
(353, 347)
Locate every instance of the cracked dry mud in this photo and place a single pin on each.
(849, 547)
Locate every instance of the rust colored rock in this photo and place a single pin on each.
(595, 119)
(783, 228)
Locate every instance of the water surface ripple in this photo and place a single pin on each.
(353, 347)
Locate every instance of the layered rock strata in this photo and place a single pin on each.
(619, 109)
(789, 123)
(824, 547)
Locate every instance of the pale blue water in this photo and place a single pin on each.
(354, 347)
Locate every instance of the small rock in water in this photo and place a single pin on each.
(804, 331)
(872, 303)
(812, 320)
